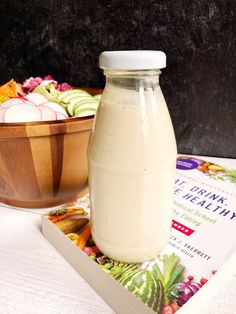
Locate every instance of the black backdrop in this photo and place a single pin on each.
(64, 38)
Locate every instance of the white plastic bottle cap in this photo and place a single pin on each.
(132, 60)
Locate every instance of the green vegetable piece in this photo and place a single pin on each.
(48, 91)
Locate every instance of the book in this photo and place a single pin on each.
(197, 263)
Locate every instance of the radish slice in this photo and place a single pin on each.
(22, 113)
(11, 102)
(21, 102)
(27, 102)
(61, 116)
(36, 98)
(47, 113)
(24, 99)
(56, 107)
(2, 113)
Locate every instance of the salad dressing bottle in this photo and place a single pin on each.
(132, 159)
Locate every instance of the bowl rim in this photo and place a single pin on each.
(45, 128)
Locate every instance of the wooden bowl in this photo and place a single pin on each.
(44, 164)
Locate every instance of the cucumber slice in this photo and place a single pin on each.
(66, 93)
(86, 113)
(85, 107)
(88, 101)
(64, 105)
(71, 92)
(68, 98)
(98, 96)
(81, 105)
(70, 108)
(77, 101)
(75, 108)
(70, 104)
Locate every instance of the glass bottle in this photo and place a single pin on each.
(132, 159)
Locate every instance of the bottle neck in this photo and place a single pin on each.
(133, 79)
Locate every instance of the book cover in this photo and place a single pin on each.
(197, 261)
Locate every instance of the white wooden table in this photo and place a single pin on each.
(35, 279)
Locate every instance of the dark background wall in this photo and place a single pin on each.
(64, 38)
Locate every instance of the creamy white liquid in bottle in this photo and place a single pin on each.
(132, 155)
